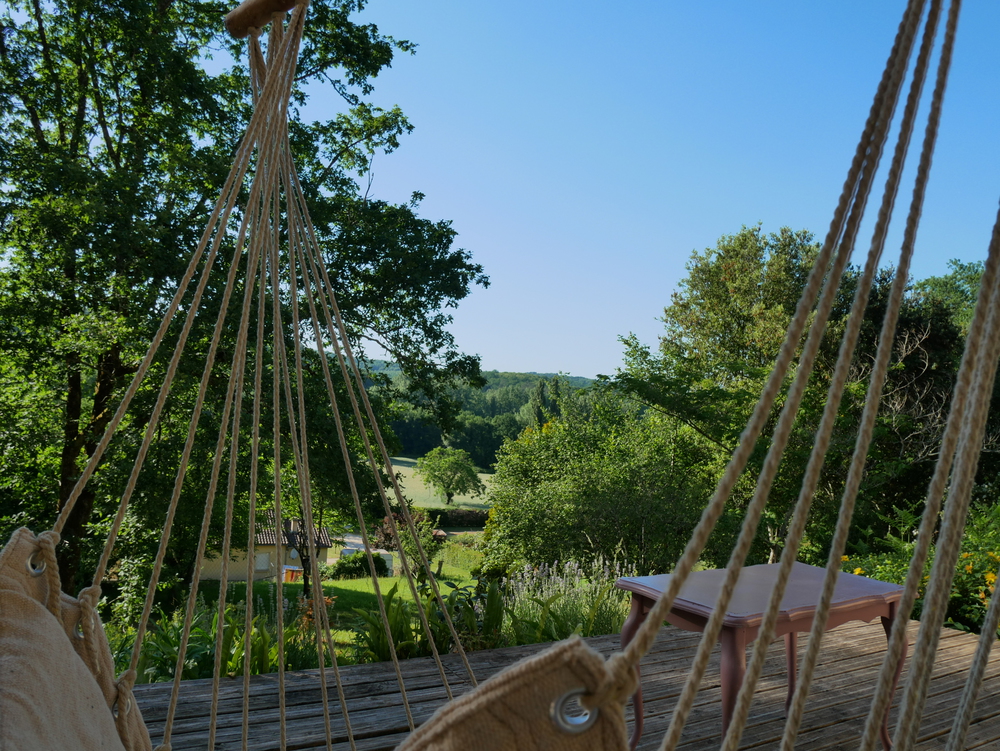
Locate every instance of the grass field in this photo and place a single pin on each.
(420, 495)
(348, 594)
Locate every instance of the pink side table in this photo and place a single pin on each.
(855, 599)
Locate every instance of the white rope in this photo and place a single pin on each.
(950, 536)
(862, 171)
(974, 681)
(878, 374)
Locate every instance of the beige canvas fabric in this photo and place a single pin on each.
(57, 682)
(512, 710)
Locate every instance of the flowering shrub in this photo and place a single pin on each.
(549, 603)
(975, 579)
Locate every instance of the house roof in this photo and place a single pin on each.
(265, 533)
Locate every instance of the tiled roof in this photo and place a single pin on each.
(265, 533)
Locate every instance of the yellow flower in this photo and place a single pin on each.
(844, 558)
(859, 571)
(966, 555)
(968, 568)
(990, 577)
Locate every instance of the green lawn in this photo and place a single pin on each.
(420, 495)
(458, 561)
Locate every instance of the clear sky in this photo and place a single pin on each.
(583, 150)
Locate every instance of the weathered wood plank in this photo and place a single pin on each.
(838, 705)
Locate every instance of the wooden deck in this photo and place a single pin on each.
(834, 717)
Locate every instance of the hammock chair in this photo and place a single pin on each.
(58, 688)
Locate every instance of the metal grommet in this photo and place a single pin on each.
(35, 566)
(576, 722)
(114, 707)
(78, 628)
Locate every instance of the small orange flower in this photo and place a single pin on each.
(990, 577)
(968, 568)
(844, 558)
(859, 571)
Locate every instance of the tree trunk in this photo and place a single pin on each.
(306, 564)
(77, 441)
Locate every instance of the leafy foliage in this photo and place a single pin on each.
(118, 134)
(975, 573)
(451, 471)
(605, 479)
(354, 566)
(161, 645)
(456, 517)
(381, 536)
(723, 329)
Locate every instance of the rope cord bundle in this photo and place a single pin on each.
(961, 442)
(275, 208)
(276, 257)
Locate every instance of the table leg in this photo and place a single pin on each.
(887, 627)
(636, 615)
(734, 667)
(792, 661)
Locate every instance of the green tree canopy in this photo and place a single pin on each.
(605, 479)
(956, 290)
(723, 329)
(118, 134)
(451, 472)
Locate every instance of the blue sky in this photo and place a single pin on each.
(583, 150)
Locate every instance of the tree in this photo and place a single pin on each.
(722, 332)
(957, 290)
(478, 438)
(607, 480)
(116, 139)
(451, 472)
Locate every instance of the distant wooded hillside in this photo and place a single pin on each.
(500, 410)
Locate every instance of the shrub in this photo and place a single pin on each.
(467, 517)
(549, 603)
(975, 572)
(476, 612)
(455, 517)
(370, 638)
(381, 535)
(354, 567)
(161, 645)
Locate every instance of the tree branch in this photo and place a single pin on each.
(47, 58)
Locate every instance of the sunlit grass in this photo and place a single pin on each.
(420, 495)
(457, 562)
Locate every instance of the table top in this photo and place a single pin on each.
(753, 591)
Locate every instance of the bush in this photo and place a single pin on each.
(476, 612)
(353, 567)
(455, 517)
(975, 572)
(160, 648)
(467, 517)
(461, 556)
(612, 481)
(381, 535)
(370, 638)
(550, 603)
